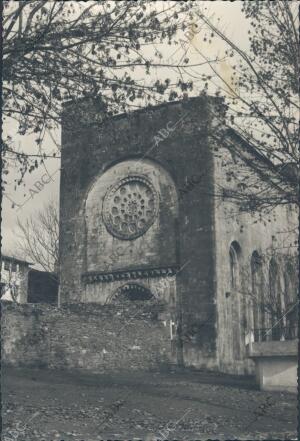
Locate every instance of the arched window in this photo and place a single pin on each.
(258, 301)
(234, 253)
(275, 301)
(131, 292)
(233, 304)
(290, 300)
(290, 284)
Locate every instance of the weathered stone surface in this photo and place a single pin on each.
(173, 147)
(165, 145)
(85, 336)
(272, 234)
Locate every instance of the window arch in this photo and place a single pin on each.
(275, 301)
(274, 286)
(234, 255)
(258, 301)
(290, 300)
(233, 304)
(131, 292)
(290, 284)
(110, 227)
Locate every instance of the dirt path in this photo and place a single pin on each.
(50, 405)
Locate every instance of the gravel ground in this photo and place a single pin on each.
(46, 405)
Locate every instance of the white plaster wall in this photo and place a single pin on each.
(16, 278)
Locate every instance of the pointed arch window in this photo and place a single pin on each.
(290, 301)
(275, 301)
(258, 301)
(234, 254)
(290, 284)
(233, 305)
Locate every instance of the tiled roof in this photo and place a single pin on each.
(14, 257)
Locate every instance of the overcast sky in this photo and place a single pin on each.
(43, 185)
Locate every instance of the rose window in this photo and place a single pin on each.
(130, 207)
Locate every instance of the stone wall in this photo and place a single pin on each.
(174, 146)
(91, 337)
(268, 234)
(171, 144)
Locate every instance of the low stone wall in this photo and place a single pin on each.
(86, 336)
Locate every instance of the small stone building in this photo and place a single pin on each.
(139, 220)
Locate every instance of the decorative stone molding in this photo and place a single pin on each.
(105, 277)
(130, 207)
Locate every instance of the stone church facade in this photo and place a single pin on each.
(139, 222)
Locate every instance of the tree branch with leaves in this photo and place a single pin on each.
(57, 51)
(261, 97)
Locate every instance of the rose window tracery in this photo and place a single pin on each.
(130, 207)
